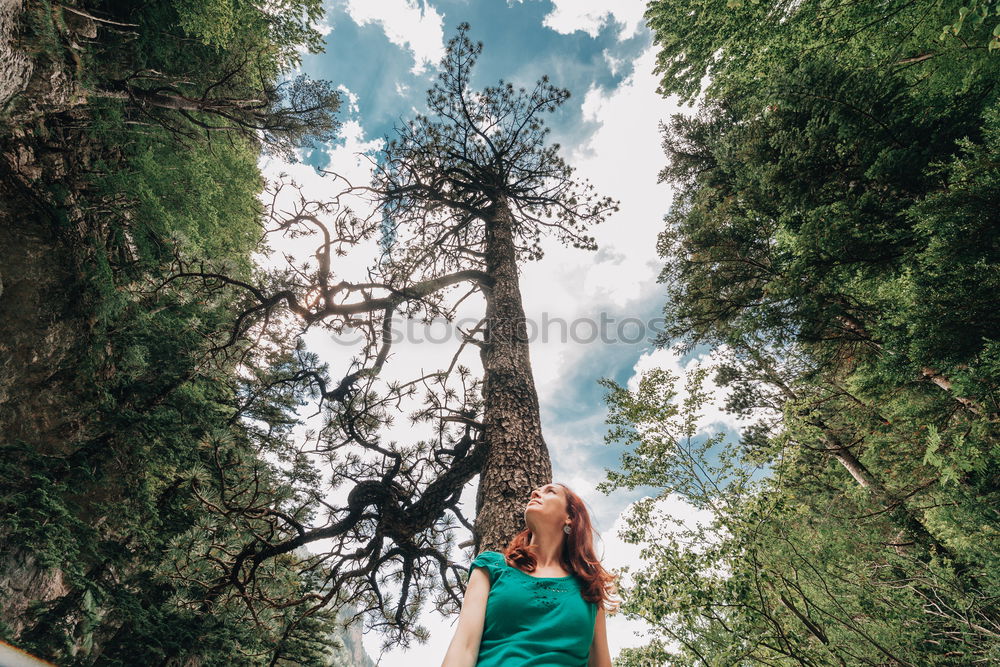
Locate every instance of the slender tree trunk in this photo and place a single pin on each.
(896, 509)
(935, 376)
(164, 100)
(517, 459)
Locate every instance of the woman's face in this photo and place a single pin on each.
(546, 506)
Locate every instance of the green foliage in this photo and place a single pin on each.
(232, 24)
(214, 72)
(834, 236)
(978, 13)
(202, 200)
(738, 45)
(790, 567)
(167, 423)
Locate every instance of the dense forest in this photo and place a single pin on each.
(833, 241)
(835, 237)
(164, 504)
(131, 146)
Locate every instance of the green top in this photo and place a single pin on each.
(533, 620)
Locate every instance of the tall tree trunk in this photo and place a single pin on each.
(854, 325)
(122, 90)
(897, 510)
(517, 459)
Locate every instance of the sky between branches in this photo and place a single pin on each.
(384, 55)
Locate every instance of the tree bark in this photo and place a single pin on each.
(896, 509)
(852, 324)
(517, 460)
(155, 98)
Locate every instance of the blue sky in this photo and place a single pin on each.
(384, 53)
(517, 48)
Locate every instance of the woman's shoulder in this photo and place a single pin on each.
(489, 558)
(493, 562)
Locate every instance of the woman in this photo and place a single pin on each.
(542, 602)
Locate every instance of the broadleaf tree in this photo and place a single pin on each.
(814, 242)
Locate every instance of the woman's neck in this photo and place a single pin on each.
(548, 550)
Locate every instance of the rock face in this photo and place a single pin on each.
(36, 340)
(23, 582)
(14, 63)
(28, 84)
(39, 329)
(359, 657)
(351, 652)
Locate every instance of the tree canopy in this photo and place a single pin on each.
(813, 242)
(458, 200)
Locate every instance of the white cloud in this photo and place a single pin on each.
(323, 26)
(412, 24)
(568, 16)
(614, 64)
(348, 159)
(352, 102)
(622, 159)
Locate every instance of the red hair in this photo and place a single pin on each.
(578, 555)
